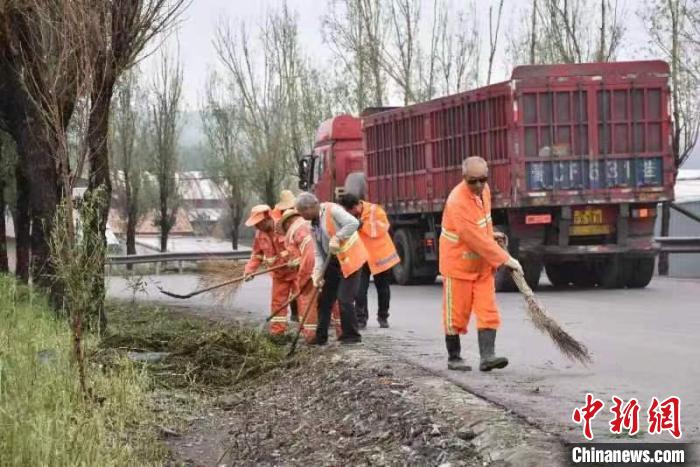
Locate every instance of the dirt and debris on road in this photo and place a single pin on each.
(339, 408)
(224, 394)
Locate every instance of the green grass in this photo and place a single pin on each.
(44, 418)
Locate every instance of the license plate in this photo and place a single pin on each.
(593, 229)
(588, 217)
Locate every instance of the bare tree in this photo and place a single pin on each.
(227, 163)
(569, 31)
(269, 88)
(129, 118)
(353, 29)
(404, 17)
(673, 25)
(494, 30)
(46, 67)
(458, 48)
(165, 118)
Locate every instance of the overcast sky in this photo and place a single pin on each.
(200, 20)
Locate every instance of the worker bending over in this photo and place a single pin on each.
(269, 250)
(335, 234)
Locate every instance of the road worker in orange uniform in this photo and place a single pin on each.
(286, 201)
(269, 251)
(299, 242)
(374, 233)
(469, 257)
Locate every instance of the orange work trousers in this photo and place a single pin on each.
(281, 293)
(311, 322)
(461, 297)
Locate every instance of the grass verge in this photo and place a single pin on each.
(44, 418)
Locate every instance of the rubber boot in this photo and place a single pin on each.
(454, 350)
(487, 344)
(383, 322)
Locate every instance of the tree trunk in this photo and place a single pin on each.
(164, 225)
(235, 222)
(22, 225)
(4, 266)
(665, 229)
(40, 166)
(98, 158)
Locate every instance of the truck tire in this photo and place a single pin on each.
(582, 274)
(639, 273)
(559, 274)
(610, 274)
(532, 270)
(404, 247)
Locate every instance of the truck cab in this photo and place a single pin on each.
(337, 158)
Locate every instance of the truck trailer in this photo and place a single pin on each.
(579, 158)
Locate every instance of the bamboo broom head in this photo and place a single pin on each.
(216, 272)
(570, 347)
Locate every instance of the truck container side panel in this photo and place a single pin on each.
(628, 148)
(554, 135)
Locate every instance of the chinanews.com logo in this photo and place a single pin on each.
(630, 418)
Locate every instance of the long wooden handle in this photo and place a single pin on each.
(308, 308)
(286, 304)
(223, 284)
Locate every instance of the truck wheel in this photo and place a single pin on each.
(610, 274)
(639, 272)
(582, 274)
(559, 274)
(404, 247)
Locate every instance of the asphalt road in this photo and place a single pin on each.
(645, 343)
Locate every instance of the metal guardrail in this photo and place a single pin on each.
(679, 244)
(179, 257)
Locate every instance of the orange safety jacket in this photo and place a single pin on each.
(374, 232)
(299, 243)
(353, 254)
(467, 247)
(269, 250)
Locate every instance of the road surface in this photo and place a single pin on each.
(645, 343)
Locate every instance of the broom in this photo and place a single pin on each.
(217, 286)
(570, 347)
(218, 272)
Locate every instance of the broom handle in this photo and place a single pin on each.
(286, 304)
(521, 283)
(308, 307)
(232, 281)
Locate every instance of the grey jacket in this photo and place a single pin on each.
(345, 225)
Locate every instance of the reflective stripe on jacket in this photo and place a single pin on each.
(467, 247)
(352, 255)
(375, 235)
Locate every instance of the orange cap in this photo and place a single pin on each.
(257, 214)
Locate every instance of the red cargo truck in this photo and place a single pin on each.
(579, 155)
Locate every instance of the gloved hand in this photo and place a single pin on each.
(317, 279)
(334, 245)
(294, 264)
(514, 264)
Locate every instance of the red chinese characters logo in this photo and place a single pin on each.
(665, 416)
(626, 417)
(661, 416)
(587, 413)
